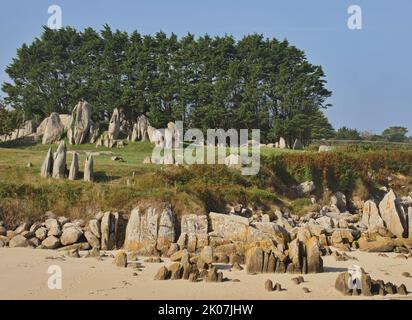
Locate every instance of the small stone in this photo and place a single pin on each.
(406, 274)
(120, 259)
(269, 285)
(277, 287)
(305, 290)
(162, 274)
(402, 290)
(237, 266)
(73, 253)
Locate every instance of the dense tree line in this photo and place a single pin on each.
(209, 82)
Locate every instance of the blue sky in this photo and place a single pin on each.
(369, 71)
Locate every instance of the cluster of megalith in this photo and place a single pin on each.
(54, 165)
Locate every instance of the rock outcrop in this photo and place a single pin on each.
(393, 215)
(150, 229)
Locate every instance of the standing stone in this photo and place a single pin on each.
(47, 166)
(114, 125)
(313, 256)
(54, 129)
(168, 155)
(393, 215)
(59, 165)
(282, 143)
(371, 217)
(141, 127)
(88, 168)
(92, 239)
(74, 168)
(80, 123)
(297, 145)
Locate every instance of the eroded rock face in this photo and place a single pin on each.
(393, 215)
(150, 229)
(81, 122)
(194, 232)
(53, 129)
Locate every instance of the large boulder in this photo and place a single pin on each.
(80, 123)
(18, 241)
(393, 215)
(53, 227)
(53, 130)
(47, 166)
(150, 228)
(371, 217)
(71, 235)
(59, 161)
(51, 242)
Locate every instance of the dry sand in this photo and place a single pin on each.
(23, 275)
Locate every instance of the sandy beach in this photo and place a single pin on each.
(24, 275)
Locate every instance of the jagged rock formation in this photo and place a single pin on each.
(81, 123)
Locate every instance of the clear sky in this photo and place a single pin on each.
(369, 71)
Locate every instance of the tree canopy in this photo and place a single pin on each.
(209, 82)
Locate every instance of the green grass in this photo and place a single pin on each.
(191, 189)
